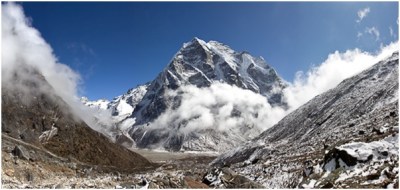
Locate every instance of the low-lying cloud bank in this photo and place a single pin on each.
(221, 107)
(27, 55)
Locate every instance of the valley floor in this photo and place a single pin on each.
(27, 166)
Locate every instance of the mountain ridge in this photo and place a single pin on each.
(330, 136)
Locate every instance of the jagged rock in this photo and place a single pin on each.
(227, 178)
(373, 176)
(377, 131)
(152, 185)
(46, 135)
(9, 172)
(326, 185)
(212, 177)
(337, 154)
(20, 152)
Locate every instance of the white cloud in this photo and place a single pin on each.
(214, 107)
(362, 14)
(373, 31)
(22, 44)
(25, 52)
(336, 68)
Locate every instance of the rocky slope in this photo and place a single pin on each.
(33, 114)
(346, 137)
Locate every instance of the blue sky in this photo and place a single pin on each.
(116, 46)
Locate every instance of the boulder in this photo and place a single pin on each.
(20, 152)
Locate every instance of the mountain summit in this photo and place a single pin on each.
(199, 63)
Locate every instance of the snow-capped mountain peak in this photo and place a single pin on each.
(199, 65)
(121, 106)
(124, 105)
(202, 64)
(98, 104)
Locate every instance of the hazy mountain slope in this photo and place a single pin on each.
(346, 137)
(41, 118)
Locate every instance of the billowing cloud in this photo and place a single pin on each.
(26, 54)
(373, 31)
(22, 44)
(222, 107)
(362, 14)
(336, 68)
